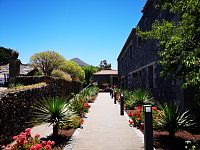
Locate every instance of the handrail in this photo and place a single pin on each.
(85, 88)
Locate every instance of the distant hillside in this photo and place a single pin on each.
(80, 62)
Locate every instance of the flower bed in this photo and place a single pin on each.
(169, 122)
(64, 117)
(24, 141)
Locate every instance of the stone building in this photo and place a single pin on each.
(106, 78)
(137, 61)
(24, 70)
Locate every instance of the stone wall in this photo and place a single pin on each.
(16, 107)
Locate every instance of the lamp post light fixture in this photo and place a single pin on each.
(115, 98)
(148, 128)
(121, 104)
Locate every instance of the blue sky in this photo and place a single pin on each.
(92, 30)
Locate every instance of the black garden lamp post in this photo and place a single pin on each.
(121, 104)
(115, 98)
(148, 129)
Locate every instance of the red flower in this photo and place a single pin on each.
(28, 131)
(32, 147)
(47, 147)
(142, 124)
(130, 122)
(139, 107)
(130, 114)
(38, 146)
(44, 142)
(86, 104)
(49, 142)
(139, 118)
(137, 115)
(22, 136)
(154, 108)
(15, 137)
(52, 142)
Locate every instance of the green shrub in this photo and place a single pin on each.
(128, 99)
(38, 73)
(141, 97)
(172, 119)
(52, 110)
(77, 106)
(17, 85)
(61, 74)
(73, 121)
(118, 90)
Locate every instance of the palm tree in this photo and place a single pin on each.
(53, 111)
(172, 119)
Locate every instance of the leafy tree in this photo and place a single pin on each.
(5, 55)
(73, 69)
(89, 71)
(179, 42)
(47, 61)
(61, 74)
(104, 65)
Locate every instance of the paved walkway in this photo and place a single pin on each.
(105, 129)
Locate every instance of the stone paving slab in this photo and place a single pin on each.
(105, 129)
(44, 130)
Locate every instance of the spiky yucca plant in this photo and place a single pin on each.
(172, 119)
(53, 111)
(141, 97)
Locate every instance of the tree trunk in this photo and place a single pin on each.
(55, 130)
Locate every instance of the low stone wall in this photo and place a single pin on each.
(16, 107)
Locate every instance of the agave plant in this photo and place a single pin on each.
(141, 97)
(53, 111)
(172, 119)
(128, 94)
